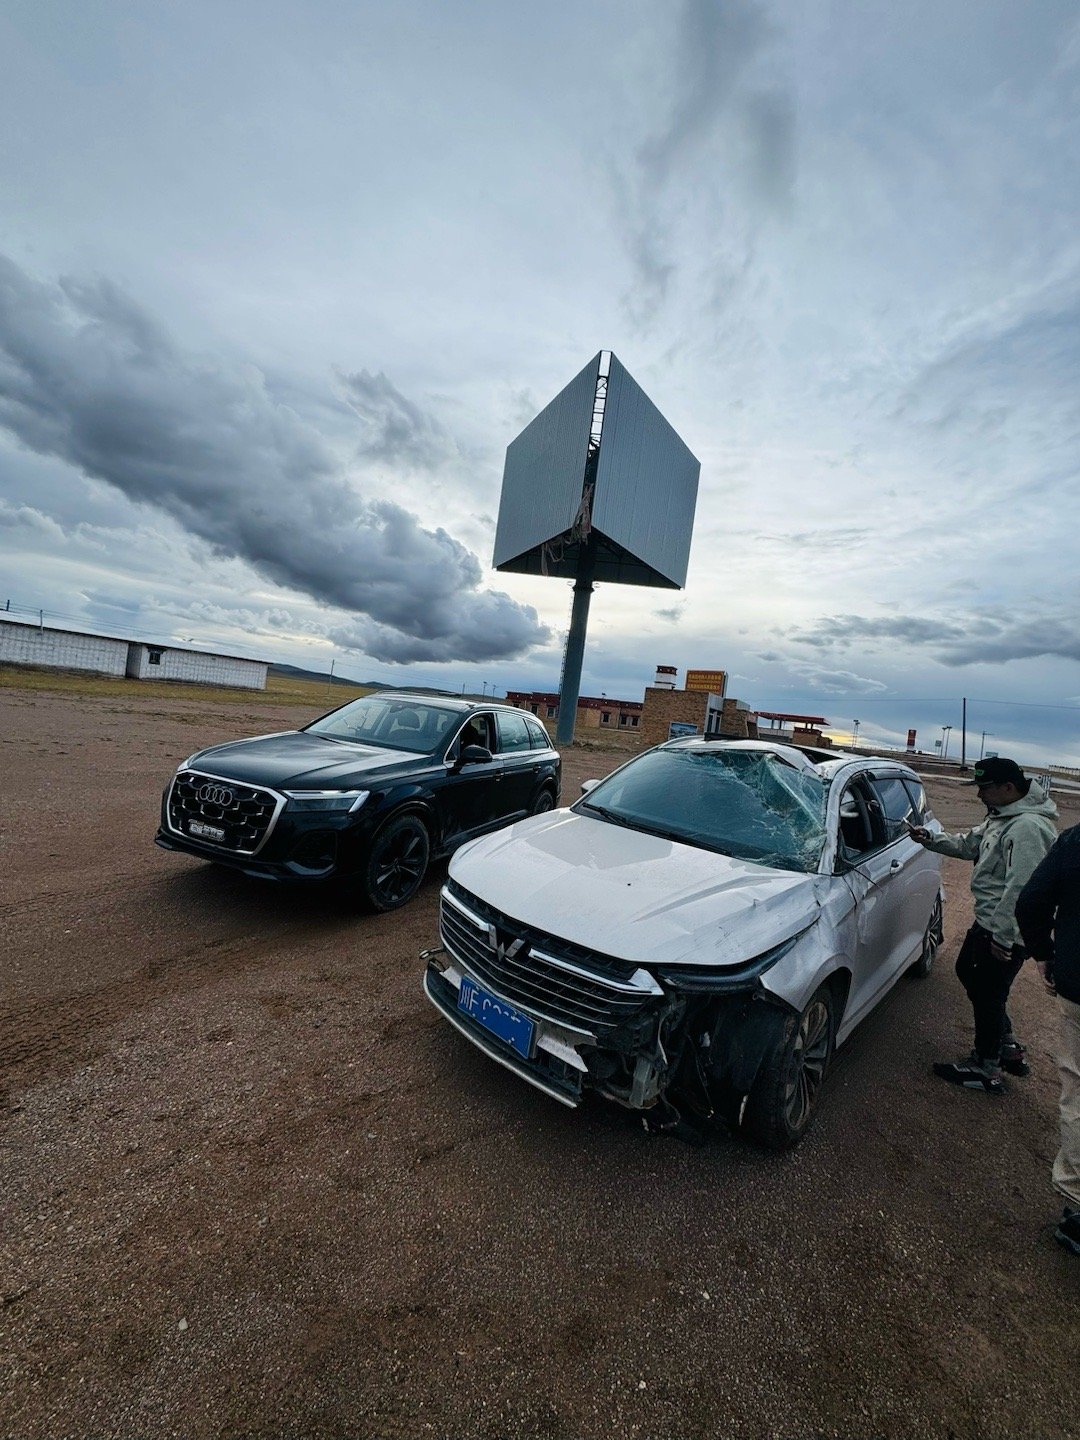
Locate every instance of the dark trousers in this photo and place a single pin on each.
(987, 981)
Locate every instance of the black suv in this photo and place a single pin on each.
(364, 796)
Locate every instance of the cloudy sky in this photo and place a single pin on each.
(280, 281)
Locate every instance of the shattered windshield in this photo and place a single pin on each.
(746, 803)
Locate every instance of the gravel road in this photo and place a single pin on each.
(251, 1184)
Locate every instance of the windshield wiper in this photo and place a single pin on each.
(606, 814)
(681, 837)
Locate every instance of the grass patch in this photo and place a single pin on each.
(280, 690)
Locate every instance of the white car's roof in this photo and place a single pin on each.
(789, 753)
(823, 762)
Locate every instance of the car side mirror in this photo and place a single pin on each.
(474, 755)
(587, 785)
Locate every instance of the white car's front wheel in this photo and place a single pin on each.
(784, 1098)
(932, 939)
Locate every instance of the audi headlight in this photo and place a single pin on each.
(327, 800)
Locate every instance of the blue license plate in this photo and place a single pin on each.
(496, 1015)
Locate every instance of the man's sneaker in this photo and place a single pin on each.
(1014, 1058)
(1068, 1231)
(972, 1074)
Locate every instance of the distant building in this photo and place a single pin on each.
(793, 729)
(666, 713)
(669, 714)
(22, 643)
(594, 712)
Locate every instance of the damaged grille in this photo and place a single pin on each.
(244, 812)
(542, 974)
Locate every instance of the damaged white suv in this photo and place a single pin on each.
(696, 934)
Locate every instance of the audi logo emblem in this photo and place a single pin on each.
(215, 795)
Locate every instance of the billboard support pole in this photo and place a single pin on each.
(570, 684)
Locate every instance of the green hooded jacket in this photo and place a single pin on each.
(1006, 848)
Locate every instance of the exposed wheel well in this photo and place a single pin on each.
(840, 985)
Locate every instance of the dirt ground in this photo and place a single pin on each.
(252, 1185)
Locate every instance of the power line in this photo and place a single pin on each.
(947, 700)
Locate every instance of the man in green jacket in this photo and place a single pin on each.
(1005, 849)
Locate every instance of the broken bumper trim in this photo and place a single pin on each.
(443, 996)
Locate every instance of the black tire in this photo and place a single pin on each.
(783, 1102)
(543, 803)
(932, 939)
(396, 864)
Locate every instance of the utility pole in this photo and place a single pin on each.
(855, 735)
(982, 743)
(330, 681)
(963, 736)
(945, 741)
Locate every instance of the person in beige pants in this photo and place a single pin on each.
(1048, 913)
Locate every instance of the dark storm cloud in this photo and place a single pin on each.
(715, 42)
(1018, 640)
(723, 123)
(843, 630)
(395, 431)
(89, 377)
(495, 639)
(829, 681)
(986, 639)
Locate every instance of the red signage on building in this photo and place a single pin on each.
(911, 739)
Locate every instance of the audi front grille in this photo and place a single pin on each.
(542, 974)
(245, 813)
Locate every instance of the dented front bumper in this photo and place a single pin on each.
(679, 1058)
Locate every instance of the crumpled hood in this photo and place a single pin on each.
(635, 896)
(302, 761)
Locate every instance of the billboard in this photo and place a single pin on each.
(637, 506)
(714, 680)
(545, 470)
(911, 739)
(678, 728)
(646, 487)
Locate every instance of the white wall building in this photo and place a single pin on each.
(22, 643)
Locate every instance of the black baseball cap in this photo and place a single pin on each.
(996, 770)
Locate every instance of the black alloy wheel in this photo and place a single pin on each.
(544, 802)
(396, 864)
(932, 938)
(784, 1099)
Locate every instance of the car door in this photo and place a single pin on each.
(471, 795)
(917, 879)
(521, 764)
(870, 865)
